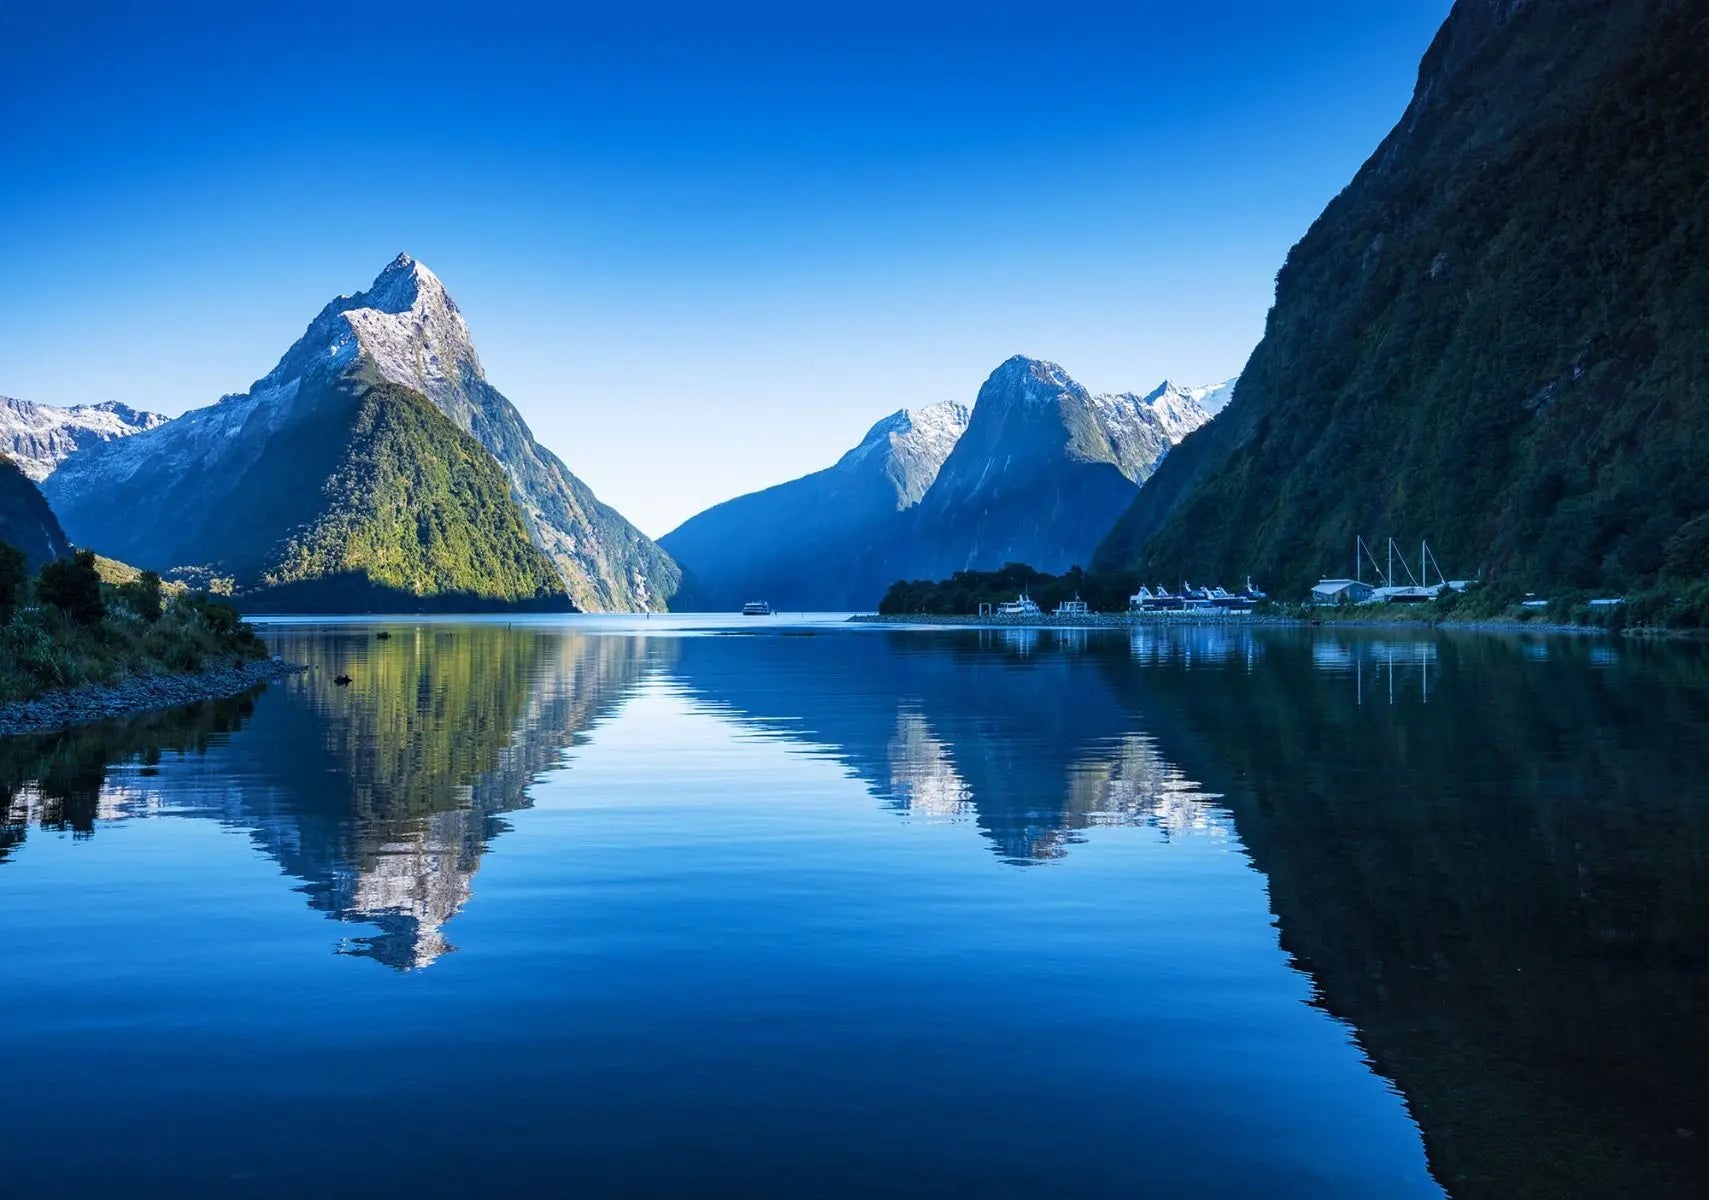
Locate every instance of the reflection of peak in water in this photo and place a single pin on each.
(1134, 785)
(1014, 730)
(410, 888)
(439, 734)
(380, 796)
(923, 779)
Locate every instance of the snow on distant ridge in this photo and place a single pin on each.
(932, 431)
(38, 437)
(1214, 397)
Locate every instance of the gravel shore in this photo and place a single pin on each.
(138, 694)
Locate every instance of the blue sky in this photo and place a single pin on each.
(701, 248)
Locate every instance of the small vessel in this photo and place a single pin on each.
(1020, 606)
(756, 608)
(1073, 608)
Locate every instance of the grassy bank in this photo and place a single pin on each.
(67, 627)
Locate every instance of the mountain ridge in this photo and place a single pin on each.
(147, 500)
(38, 437)
(909, 501)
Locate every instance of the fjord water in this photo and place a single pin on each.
(624, 907)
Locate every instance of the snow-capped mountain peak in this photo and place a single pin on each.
(932, 430)
(405, 322)
(38, 437)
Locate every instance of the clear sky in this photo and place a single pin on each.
(702, 249)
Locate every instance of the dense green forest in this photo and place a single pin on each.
(416, 508)
(64, 626)
(1493, 338)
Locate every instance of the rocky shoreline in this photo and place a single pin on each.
(92, 702)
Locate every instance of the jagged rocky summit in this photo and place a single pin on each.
(375, 465)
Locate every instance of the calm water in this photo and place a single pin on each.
(650, 908)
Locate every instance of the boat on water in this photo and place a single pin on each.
(1072, 608)
(756, 608)
(1195, 600)
(1021, 606)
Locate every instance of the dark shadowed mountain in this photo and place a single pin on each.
(26, 521)
(807, 543)
(1036, 471)
(1493, 337)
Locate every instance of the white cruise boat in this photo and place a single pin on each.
(1020, 606)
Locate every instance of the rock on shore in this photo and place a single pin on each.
(138, 694)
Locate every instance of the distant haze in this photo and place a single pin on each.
(702, 253)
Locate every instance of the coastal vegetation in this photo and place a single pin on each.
(65, 626)
(963, 592)
(1673, 605)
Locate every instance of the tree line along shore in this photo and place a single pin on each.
(1674, 607)
(82, 623)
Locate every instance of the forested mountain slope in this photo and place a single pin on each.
(1496, 337)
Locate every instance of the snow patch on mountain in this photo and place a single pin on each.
(930, 432)
(1212, 397)
(38, 437)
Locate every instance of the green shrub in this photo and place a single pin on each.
(73, 585)
(14, 575)
(142, 596)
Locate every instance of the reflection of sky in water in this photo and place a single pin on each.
(729, 890)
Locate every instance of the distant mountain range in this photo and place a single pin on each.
(809, 543)
(38, 437)
(1035, 471)
(374, 466)
(1493, 338)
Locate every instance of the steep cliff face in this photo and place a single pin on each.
(26, 521)
(1493, 338)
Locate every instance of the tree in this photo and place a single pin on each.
(73, 586)
(142, 596)
(14, 573)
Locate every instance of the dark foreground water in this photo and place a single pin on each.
(614, 908)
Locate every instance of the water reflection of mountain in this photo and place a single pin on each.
(380, 797)
(1493, 857)
(1007, 729)
(60, 781)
